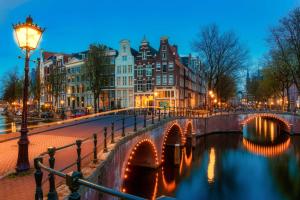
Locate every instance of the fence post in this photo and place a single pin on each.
(38, 175)
(145, 118)
(52, 194)
(123, 126)
(112, 132)
(134, 129)
(72, 183)
(78, 144)
(105, 140)
(95, 148)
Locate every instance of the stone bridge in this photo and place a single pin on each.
(146, 146)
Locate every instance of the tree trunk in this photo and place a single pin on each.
(288, 99)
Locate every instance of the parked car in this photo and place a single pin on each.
(33, 113)
(78, 113)
(19, 113)
(47, 115)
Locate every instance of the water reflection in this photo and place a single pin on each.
(211, 166)
(227, 166)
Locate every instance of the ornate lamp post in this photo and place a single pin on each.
(28, 36)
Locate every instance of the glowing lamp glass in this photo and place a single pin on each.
(28, 34)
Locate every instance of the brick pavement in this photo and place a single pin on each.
(20, 188)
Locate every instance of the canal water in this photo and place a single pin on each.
(261, 163)
(8, 125)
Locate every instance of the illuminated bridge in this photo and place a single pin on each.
(114, 151)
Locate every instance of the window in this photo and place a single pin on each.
(149, 85)
(157, 66)
(124, 80)
(164, 55)
(124, 69)
(140, 71)
(164, 47)
(130, 80)
(129, 69)
(164, 79)
(158, 81)
(171, 79)
(148, 70)
(164, 67)
(124, 48)
(118, 80)
(171, 66)
(144, 55)
(140, 86)
(119, 69)
(124, 58)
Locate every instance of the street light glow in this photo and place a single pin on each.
(28, 34)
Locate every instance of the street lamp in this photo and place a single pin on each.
(28, 36)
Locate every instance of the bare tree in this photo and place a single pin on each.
(96, 67)
(285, 39)
(222, 55)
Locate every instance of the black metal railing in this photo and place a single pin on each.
(122, 123)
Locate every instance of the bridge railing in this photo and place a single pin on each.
(122, 122)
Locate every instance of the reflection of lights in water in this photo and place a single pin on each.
(259, 125)
(155, 187)
(188, 160)
(181, 162)
(265, 127)
(211, 166)
(169, 186)
(267, 150)
(272, 131)
(13, 127)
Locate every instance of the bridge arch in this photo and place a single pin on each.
(143, 154)
(189, 129)
(251, 117)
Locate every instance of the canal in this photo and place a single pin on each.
(10, 125)
(261, 163)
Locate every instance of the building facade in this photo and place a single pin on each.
(53, 79)
(124, 75)
(144, 79)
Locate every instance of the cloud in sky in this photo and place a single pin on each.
(8, 5)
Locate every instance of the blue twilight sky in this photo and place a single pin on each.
(73, 24)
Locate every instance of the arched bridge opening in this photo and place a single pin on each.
(282, 122)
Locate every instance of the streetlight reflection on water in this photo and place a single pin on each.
(211, 166)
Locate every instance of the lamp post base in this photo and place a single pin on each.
(23, 160)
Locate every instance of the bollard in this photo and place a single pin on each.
(145, 119)
(72, 183)
(52, 194)
(105, 140)
(38, 175)
(112, 132)
(95, 148)
(78, 144)
(177, 154)
(169, 111)
(134, 129)
(123, 127)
